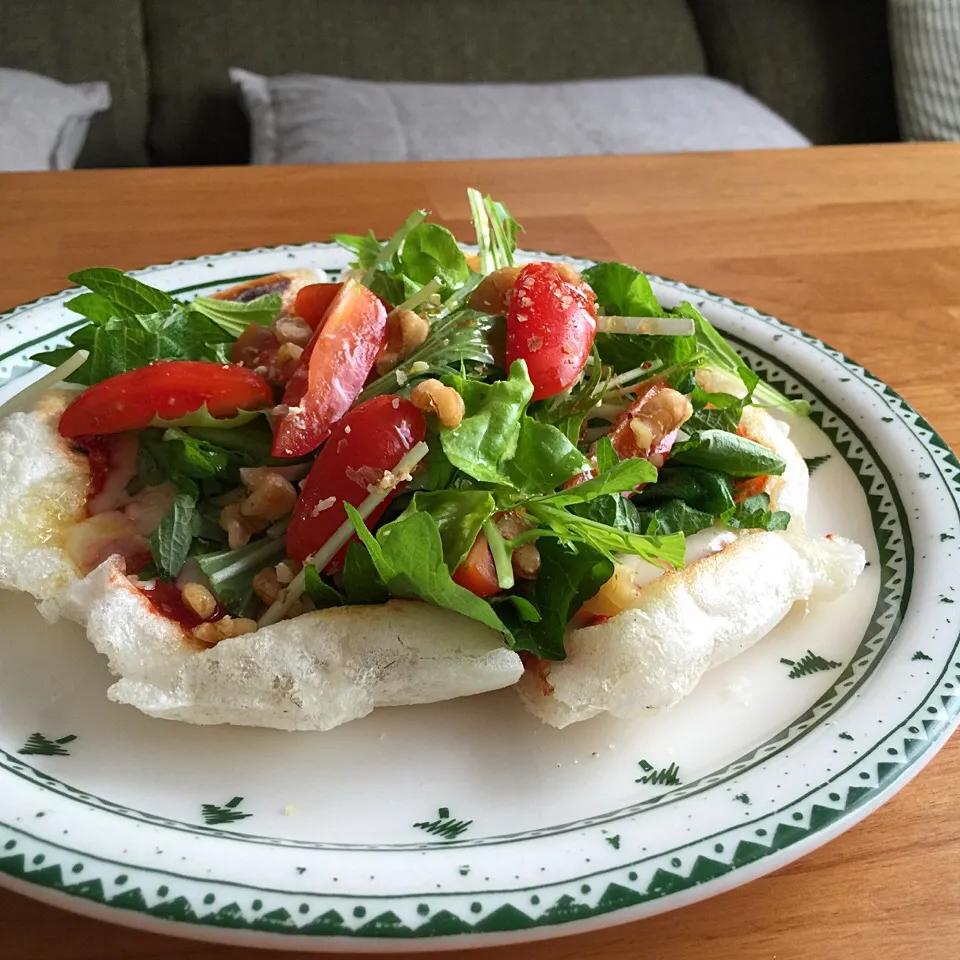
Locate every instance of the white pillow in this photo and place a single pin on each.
(925, 37)
(43, 123)
(315, 119)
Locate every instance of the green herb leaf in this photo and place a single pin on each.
(361, 581)
(605, 539)
(365, 248)
(623, 352)
(544, 458)
(128, 296)
(455, 340)
(607, 457)
(755, 514)
(612, 510)
(569, 576)
(459, 515)
(170, 542)
(233, 317)
(674, 516)
(202, 418)
(488, 434)
(568, 412)
(321, 593)
(431, 252)
(622, 290)
(231, 572)
(625, 475)
(728, 453)
(724, 413)
(95, 308)
(704, 490)
(408, 555)
(177, 454)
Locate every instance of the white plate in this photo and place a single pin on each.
(468, 823)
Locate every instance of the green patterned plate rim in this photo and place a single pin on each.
(875, 718)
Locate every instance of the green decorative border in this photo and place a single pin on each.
(773, 835)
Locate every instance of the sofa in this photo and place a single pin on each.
(822, 65)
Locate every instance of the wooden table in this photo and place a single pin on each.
(858, 245)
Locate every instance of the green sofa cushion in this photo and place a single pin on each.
(84, 40)
(197, 117)
(823, 65)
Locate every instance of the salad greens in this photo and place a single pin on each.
(542, 477)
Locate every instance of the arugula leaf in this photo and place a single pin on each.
(675, 516)
(623, 290)
(231, 572)
(496, 231)
(82, 339)
(392, 247)
(488, 434)
(456, 339)
(365, 248)
(408, 555)
(623, 352)
(249, 444)
(95, 308)
(607, 540)
(544, 458)
(458, 514)
(431, 252)
(177, 454)
(724, 413)
(625, 475)
(128, 296)
(722, 355)
(607, 457)
(728, 453)
(612, 510)
(567, 411)
(704, 490)
(170, 542)
(233, 317)
(569, 576)
(321, 593)
(361, 581)
(755, 514)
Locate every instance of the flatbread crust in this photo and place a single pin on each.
(650, 657)
(43, 494)
(325, 668)
(314, 672)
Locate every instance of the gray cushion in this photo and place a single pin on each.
(76, 41)
(43, 123)
(311, 119)
(926, 53)
(195, 116)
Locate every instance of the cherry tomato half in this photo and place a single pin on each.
(551, 323)
(332, 370)
(167, 389)
(478, 573)
(371, 438)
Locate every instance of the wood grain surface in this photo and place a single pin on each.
(858, 245)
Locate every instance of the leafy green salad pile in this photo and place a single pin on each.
(507, 454)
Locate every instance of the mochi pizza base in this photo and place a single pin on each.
(324, 668)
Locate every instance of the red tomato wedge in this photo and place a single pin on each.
(314, 300)
(167, 389)
(478, 573)
(332, 370)
(551, 324)
(370, 439)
